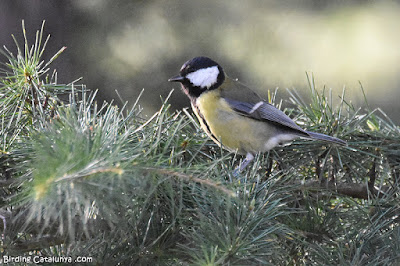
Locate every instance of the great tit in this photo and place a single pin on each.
(233, 115)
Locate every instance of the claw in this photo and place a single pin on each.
(246, 161)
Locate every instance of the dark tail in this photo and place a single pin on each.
(326, 138)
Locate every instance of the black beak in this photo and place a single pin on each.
(177, 78)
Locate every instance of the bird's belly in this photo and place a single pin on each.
(234, 131)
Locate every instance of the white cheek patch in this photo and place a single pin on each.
(205, 77)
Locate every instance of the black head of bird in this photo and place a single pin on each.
(199, 75)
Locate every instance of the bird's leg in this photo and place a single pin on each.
(246, 161)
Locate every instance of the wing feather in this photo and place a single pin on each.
(264, 111)
(248, 103)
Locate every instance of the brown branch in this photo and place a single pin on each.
(361, 191)
(30, 245)
(372, 176)
(189, 178)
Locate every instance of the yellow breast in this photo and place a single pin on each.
(222, 124)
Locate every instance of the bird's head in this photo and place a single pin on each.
(198, 75)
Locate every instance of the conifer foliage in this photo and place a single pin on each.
(82, 179)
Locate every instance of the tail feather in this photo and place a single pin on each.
(323, 137)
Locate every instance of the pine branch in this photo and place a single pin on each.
(37, 244)
(77, 179)
(355, 190)
(191, 178)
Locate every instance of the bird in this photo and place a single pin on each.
(234, 116)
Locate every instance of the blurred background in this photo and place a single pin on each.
(128, 45)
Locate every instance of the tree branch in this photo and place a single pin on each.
(30, 245)
(361, 191)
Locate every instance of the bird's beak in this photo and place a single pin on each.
(177, 78)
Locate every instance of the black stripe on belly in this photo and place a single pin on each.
(196, 109)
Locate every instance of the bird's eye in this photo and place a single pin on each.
(186, 69)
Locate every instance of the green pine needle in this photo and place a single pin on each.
(82, 179)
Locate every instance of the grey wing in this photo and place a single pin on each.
(264, 111)
(248, 103)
